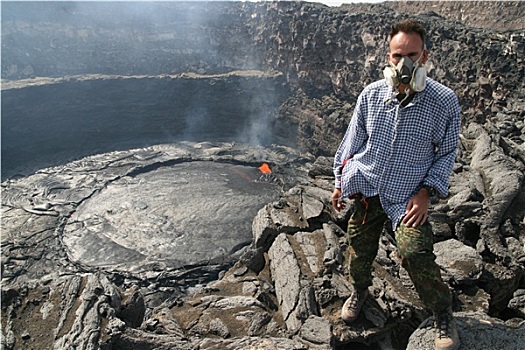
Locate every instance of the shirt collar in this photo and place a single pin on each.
(390, 97)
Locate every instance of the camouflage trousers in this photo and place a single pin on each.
(415, 246)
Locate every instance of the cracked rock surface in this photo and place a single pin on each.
(284, 290)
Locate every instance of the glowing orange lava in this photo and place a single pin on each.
(265, 168)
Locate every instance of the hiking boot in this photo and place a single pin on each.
(446, 334)
(353, 305)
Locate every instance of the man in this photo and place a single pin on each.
(398, 152)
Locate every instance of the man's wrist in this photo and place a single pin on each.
(431, 191)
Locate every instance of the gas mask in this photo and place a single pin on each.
(406, 72)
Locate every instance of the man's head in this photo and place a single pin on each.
(409, 26)
(407, 48)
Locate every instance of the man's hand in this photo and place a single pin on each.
(417, 209)
(337, 201)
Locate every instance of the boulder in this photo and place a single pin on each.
(477, 331)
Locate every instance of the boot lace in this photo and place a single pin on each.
(443, 325)
(354, 301)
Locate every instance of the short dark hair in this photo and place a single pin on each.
(409, 26)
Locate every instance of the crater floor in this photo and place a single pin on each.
(184, 214)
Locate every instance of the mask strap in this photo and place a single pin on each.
(407, 95)
(417, 64)
(395, 92)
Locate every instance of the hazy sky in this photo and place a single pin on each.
(337, 3)
(327, 2)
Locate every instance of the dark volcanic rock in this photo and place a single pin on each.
(492, 15)
(133, 212)
(477, 331)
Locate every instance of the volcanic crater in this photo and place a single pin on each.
(186, 211)
(136, 159)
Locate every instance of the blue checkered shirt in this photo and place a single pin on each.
(392, 150)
